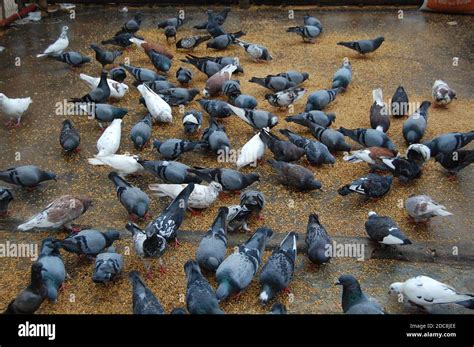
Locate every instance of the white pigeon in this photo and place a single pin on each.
(158, 108)
(423, 207)
(201, 197)
(109, 142)
(137, 42)
(252, 151)
(57, 47)
(425, 292)
(123, 164)
(117, 89)
(14, 108)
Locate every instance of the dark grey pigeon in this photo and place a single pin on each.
(307, 32)
(235, 273)
(105, 113)
(104, 56)
(295, 176)
(216, 137)
(278, 271)
(368, 137)
(333, 139)
(415, 126)
(282, 150)
(144, 301)
(6, 197)
(135, 201)
(141, 132)
(97, 95)
(142, 74)
(28, 176)
(363, 46)
(354, 300)
(316, 152)
(273, 82)
(53, 272)
(108, 265)
(215, 108)
(225, 40)
(200, 297)
(173, 148)
(170, 32)
(453, 162)
(404, 169)
(178, 96)
(75, 59)
(224, 61)
(295, 77)
(213, 27)
(229, 179)
(383, 229)
(278, 309)
(315, 116)
(321, 98)
(175, 22)
(343, 76)
(218, 17)
(317, 240)
(69, 137)
(170, 171)
(371, 185)
(379, 116)
(399, 105)
(213, 246)
(158, 86)
(121, 39)
(448, 143)
(118, 74)
(30, 298)
(192, 121)
(243, 101)
(253, 200)
(184, 76)
(160, 61)
(88, 242)
(204, 65)
(133, 25)
(258, 119)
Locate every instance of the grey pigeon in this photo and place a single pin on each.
(223, 41)
(144, 301)
(278, 308)
(379, 117)
(371, 185)
(75, 59)
(415, 126)
(69, 137)
(273, 82)
(142, 74)
(453, 162)
(158, 86)
(316, 152)
(160, 61)
(404, 169)
(215, 108)
(315, 116)
(204, 65)
(213, 246)
(88, 242)
(218, 17)
(178, 96)
(170, 32)
(133, 25)
(295, 77)
(184, 76)
(192, 42)
(173, 148)
(135, 201)
(368, 137)
(282, 150)
(28, 176)
(141, 132)
(121, 39)
(212, 26)
(104, 56)
(235, 273)
(363, 46)
(278, 270)
(422, 208)
(383, 229)
(295, 176)
(253, 200)
(118, 74)
(224, 61)
(229, 179)
(321, 98)
(243, 101)
(317, 240)
(333, 139)
(147, 244)
(307, 32)
(309, 20)
(105, 113)
(258, 119)
(175, 22)
(108, 265)
(53, 271)
(448, 143)
(399, 105)
(354, 300)
(200, 297)
(170, 171)
(192, 121)
(97, 95)
(6, 197)
(231, 88)
(343, 76)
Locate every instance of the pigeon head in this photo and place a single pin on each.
(48, 247)
(395, 288)
(273, 121)
(48, 176)
(86, 202)
(418, 152)
(100, 276)
(67, 123)
(266, 294)
(156, 144)
(215, 186)
(111, 236)
(313, 219)
(372, 213)
(347, 281)
(224, 289)
(278, 309)
(313, 183)
(191, 269)
(141, 209)
(193, 92)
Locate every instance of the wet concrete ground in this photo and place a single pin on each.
(418, 49)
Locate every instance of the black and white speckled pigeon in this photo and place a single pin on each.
(235, 273)
(415, 126)
(144, 301)
(192, 121)
(192, 42)
(6, 197)
(104, 56)
(316, 152)
(371, 185)
(315, 116)
(173, 148)
(273, 82)
(255, 51)
(184, 76)
(442, 94)
(225, 40)
(456, 161)
(88, 242)
(141, 132)
(282, 150)
(142, 74)
(368, 137)
(108, 265)
(178, 96)
(308, 32)
(258, 119)
(28, 176)
(399, 105)
(278, 270)
(135, 201)
(170, 171)
(363, 46)
(422, 208)
(295, 176)
(75, 59)
(205, 65)
(333, 139)
(238, 218)
(354, 300)
(69, 137)
(53, 271)
(379, 117)
(448, 143)
(342, 77)
(215, 108)
(286, 97)
(321, 98)
(383, 229)
(97, 95)
(317, 240)
(404, 169)
(229, 179)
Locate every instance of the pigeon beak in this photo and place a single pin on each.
(337, 283)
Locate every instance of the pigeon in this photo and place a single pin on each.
(122, 163)
(104, 56)
(109, 141)
(225, 40)
(383, 229)
(121, 39)
(316, 152)
(118, 74)
(178, 96)
(253, 200)
(144, 301)
(223, 61)
(14, 108)
(418, 153)
(105, 113)
(285, 98)
(158, 108)
(58, 46)
(150, 46)
(379, 119)
(53, 271)
(215, 82)
(448, 143)
(258, 119)
(235, 273)
(252, 151)
(278, 309)
(148, 243)
(192, 121)
(415, 126)
(295, 77)
(426, 292)
(28, 176)
(174, 22)
(278, 270)
(69, 137)
(204, 65)
(88, 242)
(368, 137)
(243, 101)
(399, 105)
(200, 297)
(108, 265)
(370, 185)
(318, 242)
(442, 94)
(173, 148)
(133, 25)
(135, 201)
(321, 98)
(273, 82)
(309, 20)
(117, 89)
(318, 117)
(354, 300)
(170, 32)
(295, 176)
(218, 17)
(237, 218)
(142, 74)
(331, 138)
(141, 132)
(6, 197)
(421, 208)
(256, 52)
(216, 108)
(97, 95)
(231, 89)
(372, 156)
(230, 180)
(282, 150)
(363, 46)
(159, 86)
(160, 61)
(455, 161)
(308, 32)
(213, 246)
(212, 25)
(216, 138)
(30, 298)
(170, 171)
(201, 197)
(404, 169)
(184, 76)
(74, 59)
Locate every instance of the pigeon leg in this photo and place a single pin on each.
(147, 216)
(76, 150)
(32, 188)
(236, 192)
(286, 290)
(148, 269)
(260, 216)
(4, 213)
(176, 243)
(133, 217)
(74, 228)
(452, 177)
(236, 296)
(63, 287)
(194, 212)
